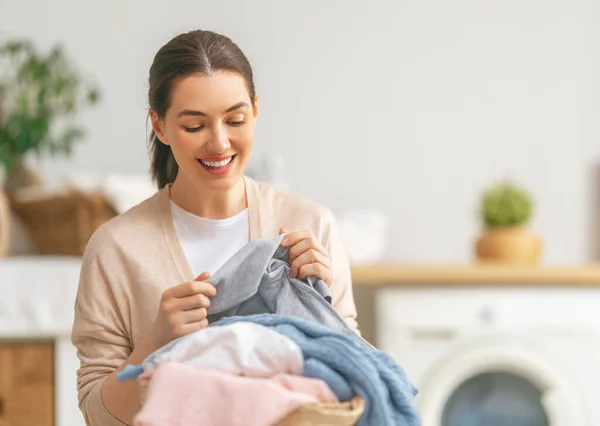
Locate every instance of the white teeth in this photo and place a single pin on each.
(216, 164)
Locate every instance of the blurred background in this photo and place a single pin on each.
(457, 142)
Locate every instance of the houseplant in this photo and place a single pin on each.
(505, 210)
(40, 95)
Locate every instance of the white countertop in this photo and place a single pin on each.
(37, 294)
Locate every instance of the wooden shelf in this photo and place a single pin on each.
(473, 275)
(26, 384)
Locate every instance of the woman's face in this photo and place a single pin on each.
(210, 128)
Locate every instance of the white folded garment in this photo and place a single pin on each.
(243, 349)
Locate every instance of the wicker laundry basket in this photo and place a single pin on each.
(319, 414)
(62, 223)
(342, 414)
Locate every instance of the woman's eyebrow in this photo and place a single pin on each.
(237, 106)
(193, 112)
(190, 112)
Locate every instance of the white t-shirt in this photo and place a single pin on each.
(209, 243)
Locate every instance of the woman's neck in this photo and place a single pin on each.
(209, 204)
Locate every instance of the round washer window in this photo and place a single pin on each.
(495, 399)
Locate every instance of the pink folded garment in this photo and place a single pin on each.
(179, 395)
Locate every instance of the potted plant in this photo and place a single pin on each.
(40, 95)
(505, 211)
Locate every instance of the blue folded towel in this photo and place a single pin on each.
(349, 368)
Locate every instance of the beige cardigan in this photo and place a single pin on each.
(133, 258)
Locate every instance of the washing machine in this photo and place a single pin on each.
(497, 356)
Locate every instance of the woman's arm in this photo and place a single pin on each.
(341, 287)
(121, 399)
(102, 338)
(102, 399)
(182, 311)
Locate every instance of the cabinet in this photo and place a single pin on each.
(37, 294)
(26, 383)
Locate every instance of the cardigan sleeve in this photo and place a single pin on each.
(99, 332)
(341, 287)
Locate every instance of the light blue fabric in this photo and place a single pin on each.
(349, 368)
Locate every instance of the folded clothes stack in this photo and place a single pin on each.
(274, 344)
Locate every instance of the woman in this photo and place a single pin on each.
(143, 280)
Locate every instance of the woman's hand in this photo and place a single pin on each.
(183, 310)
(307, 256)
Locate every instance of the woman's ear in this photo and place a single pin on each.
(158, 127)
(255, 107)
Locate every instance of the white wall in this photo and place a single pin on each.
(408, 106)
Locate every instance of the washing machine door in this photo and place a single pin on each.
(500, 383)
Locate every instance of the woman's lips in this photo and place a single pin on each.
(217, 165)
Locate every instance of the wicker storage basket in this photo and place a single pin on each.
(62, 223)
(321, 414)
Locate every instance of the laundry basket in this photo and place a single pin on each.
(62, 223)
(322, 414)
(318, 414)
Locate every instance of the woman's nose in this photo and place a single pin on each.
(219, 143)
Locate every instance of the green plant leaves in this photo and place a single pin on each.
(40, 95)
(5, 153)
(63, 143)
(506, 204)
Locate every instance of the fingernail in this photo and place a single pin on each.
(284, 241)
(292, 274)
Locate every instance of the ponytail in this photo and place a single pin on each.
(164, 168)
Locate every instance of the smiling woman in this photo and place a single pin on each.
(210, 123)
(145, 278)
(202, 116)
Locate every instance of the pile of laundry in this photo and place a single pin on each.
(274, 344)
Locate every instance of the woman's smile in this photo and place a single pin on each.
(217, 165)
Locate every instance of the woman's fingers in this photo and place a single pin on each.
(194, 315)
(192, 302)
(293, 238)
(309, 243)
(194, 326)
(316, 269)
(308, 257)
(203, 276)
(189, 289)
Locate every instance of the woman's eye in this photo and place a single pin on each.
(236, 123)
(193, 129)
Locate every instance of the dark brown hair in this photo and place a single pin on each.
(189, 53)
